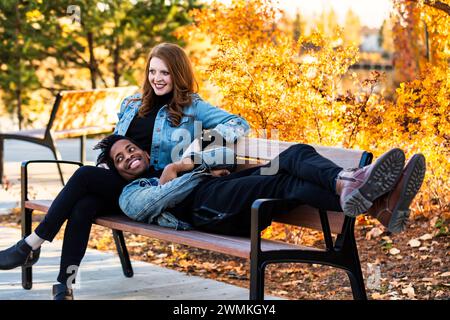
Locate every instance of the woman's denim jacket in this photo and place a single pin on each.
(147, 201)
(168, 142)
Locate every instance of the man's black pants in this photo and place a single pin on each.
(303, 175)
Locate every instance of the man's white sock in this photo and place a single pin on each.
(34, 241)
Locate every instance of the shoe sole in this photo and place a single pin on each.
(414, 176)
(385, 174)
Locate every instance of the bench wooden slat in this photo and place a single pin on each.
(236, 246)
(40, 205)
(303, 216)
(268, 149)
(62, 134)
(89, 108)
(307, 216)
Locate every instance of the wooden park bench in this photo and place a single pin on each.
(74, 114)
(340, 252)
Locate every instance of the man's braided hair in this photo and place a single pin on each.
(105, 146)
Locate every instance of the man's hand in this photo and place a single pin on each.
(220, 173)
(171, 171)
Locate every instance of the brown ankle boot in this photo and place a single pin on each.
(358, 188)
(392, 209)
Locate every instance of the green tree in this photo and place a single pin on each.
(106, 38)
(113, 34)
(21, 48)
(136, 28)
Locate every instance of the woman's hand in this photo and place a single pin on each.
(169, 173)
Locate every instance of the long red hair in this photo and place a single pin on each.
(184, 83)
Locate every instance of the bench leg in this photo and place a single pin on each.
(256, 280)
(357, 284)
(354, 269)
(83, 149)
(123, 253)
(27, 272)
(1, 161)
(57, 156)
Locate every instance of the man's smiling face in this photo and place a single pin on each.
(130, 160)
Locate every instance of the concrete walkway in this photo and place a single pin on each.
(101, 277)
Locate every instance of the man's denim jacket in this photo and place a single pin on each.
(169, 143)
(147, 201)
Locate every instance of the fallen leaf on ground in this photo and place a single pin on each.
(414, 243)
(433, 221)
(375, 232)
(281, 292)
(409, 291)
(378, 296)
(437, 260)
(427, 279)
(445, 274)
(394, 251)
(426, 236)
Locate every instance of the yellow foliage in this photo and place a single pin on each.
(292, 90)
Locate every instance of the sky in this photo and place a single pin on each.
(371, 12)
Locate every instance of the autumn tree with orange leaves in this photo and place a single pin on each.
(292, 86)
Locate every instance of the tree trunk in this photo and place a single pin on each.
(116, 57)
(19, 107)
(439, 5)
(92, 62)
(18, 92)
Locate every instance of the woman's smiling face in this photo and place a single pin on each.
(159, 77)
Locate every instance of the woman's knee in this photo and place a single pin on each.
(85, 174)
(86, 171)
(86, 209)
(300, 148)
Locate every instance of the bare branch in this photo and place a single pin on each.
(439, 5)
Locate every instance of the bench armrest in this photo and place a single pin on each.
(24, 174)
(26, 163)
(259, 207)
(273, 204)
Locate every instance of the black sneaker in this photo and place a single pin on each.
(62, 292)
(19, 255)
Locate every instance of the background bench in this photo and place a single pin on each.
(74, 114)
(341, 253)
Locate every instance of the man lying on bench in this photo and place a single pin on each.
(203, 191)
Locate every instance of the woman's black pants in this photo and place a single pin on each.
(303, 175)
(90, 192)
